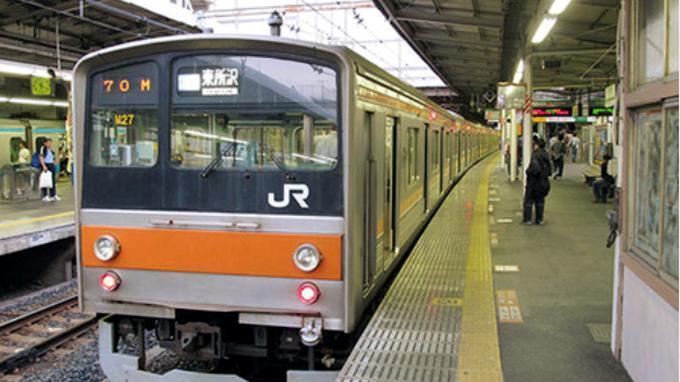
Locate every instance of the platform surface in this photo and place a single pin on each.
(25, 225)
(451, 315)
(563, 287)
(429, 327)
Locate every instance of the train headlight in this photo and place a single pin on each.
(307, 258)
(106, 248)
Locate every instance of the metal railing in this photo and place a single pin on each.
(19, 183)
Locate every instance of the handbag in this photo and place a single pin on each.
(45, 180)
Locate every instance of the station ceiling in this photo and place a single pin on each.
(474, 44)
(46, 32)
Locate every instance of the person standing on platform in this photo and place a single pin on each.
(557, 152)
(602, 185)
(575, 147)
(538, 183)
(24, 154)
(47, 159)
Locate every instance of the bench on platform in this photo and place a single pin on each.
(591, 172)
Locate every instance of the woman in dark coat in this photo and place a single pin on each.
(538, 184)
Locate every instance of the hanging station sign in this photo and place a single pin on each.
(510, 96)
(601, 111)
(492, 115)
(552, 112)
(564, 119)
(41, 86)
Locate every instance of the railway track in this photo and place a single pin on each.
(30, 336)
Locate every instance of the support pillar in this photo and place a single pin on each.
(513, 145)
(527, 127)
(502, 125)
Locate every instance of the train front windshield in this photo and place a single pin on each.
(223, 115)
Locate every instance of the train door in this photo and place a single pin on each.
(440, 158)
(370, 198)
(426, 173)
(389, 209)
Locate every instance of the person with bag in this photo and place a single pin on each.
(557, 152)
(538, 183)
(48, 184)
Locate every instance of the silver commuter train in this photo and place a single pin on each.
(249, 197)
(32, 131)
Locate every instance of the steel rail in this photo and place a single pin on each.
(35, 350)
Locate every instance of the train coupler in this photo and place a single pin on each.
(311, 331)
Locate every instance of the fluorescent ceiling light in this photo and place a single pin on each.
(519, 72)
(31, 101)
(558, 6)
(543, 29)
(19, 69)
(60, 103)
(15, 69)
(34, 101)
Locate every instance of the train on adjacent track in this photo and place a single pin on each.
(248, 197)
(31, 131)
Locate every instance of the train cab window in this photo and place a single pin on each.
(253, 113)
(123, 123)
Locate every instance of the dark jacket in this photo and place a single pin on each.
(538, 173)
(605, 173)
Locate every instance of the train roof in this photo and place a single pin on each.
(341, 51)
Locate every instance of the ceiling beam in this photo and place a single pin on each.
(447, 19)
(481, 56)
(599, 3)
(444, 39)
(452, 11)
(35, 50)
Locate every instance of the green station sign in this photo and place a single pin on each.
(601, 111)
(41, 86)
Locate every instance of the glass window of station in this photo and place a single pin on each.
(656, 43)
(124, 116)
(654, 207)
(253, 113)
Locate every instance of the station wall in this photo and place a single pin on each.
(649, 350)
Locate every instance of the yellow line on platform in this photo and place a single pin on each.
(479, 358)
(35, 220)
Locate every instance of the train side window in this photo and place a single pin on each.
(412, 160)
(14, 149)
(435, 149)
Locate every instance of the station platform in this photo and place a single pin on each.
(29, 224)
(483, 298)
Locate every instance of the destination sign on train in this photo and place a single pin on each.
(219, 81)
(134, 84)
(124, 119)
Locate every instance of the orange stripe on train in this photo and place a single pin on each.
(217, 252)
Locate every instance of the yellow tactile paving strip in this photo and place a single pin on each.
(479, 358)
(36, 220)
(415, 334)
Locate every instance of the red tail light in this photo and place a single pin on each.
(308, 293)
(109, 281)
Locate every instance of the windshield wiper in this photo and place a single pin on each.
(216, 161)
(277, 161)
